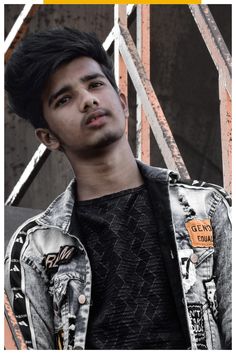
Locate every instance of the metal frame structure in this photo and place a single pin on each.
(222, 60)
(136, 60)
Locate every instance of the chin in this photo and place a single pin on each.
(108, 139)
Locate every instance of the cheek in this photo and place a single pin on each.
(50, 118)
(117, 105)
(123, 111)
(63, 119)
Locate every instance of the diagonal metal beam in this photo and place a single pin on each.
(214, 42)
(222, 60)
(19, 29)
(151, 105)
(28, 175)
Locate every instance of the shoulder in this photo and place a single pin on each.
(19, 237)
(202, 187)
(197, 199)
(178, 187)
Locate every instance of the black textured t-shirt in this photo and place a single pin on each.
(132, 305)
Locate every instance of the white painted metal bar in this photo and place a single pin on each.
(138, 101)
(116, 46)
(26, 176)
(109, 40)
(130, 8)
(17, 25)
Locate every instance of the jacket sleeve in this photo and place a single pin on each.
(28, 295)
(221, 222)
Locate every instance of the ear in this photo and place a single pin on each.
(47, 138)
(124, 104)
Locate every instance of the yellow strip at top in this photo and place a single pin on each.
(98, 2)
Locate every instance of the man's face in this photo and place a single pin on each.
(82, 109)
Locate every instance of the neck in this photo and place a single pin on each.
(111, 171)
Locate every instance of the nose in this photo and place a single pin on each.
(87, 100)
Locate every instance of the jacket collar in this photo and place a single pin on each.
(59, 212)
(157, 173)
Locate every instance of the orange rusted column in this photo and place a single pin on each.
(143, 46)
(120, 17)
(226, 135)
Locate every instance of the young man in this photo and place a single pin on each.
(129, 256)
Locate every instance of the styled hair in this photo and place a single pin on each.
(37, 57)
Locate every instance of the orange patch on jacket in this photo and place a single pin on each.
(200, 232)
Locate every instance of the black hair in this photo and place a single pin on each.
(37, 57)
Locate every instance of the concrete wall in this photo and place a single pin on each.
(182, 73)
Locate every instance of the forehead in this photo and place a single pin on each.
(73, 71)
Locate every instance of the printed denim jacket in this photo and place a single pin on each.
(48, 277)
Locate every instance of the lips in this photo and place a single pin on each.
(93, 116)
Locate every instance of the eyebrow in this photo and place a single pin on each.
(67, 88)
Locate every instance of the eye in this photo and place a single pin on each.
(96, 84)
(62, 101)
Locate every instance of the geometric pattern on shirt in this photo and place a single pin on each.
(132, 303)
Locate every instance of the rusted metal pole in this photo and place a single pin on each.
(222, 60)
(120, 17)
(214, 41)
(13, 338)
(19, 29)
(143, 47)
(151, 105)
(226, 136)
